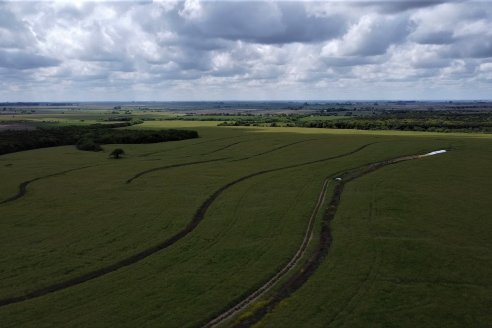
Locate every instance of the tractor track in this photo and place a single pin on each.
(275, 149)
(136, 176)
(197, 218)
(23, 185)
(222, 148)
(310, 267)
(194, 144)
(368, 281)
(287, 268)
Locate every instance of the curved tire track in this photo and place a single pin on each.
(23, 185)
(350, 305)
(304, 273)
(287, 268)
(197, 218)
(194, 144)
(225, 147)
(206, 161)
(275, 149)
(138, 175)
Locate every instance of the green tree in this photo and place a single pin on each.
(117, 153)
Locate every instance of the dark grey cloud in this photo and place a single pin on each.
(248, 21)
(21, 60)
(264, 22)
(14, 34)
(7, 19)
(396, 6)
(371, 35)
(434, 37)
(349, 61)
(474, 48)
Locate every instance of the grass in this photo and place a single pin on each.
(83, 116)
(408, 240)
(413, 251)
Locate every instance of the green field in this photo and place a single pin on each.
(411, 242)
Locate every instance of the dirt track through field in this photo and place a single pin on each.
(287, 268)
(308, 269)
(197, 218)
(23, 185)
(136, 176)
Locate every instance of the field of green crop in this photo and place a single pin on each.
(176, 233)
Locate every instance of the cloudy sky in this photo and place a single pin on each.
(255, 50)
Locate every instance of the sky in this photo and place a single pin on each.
(238, 50)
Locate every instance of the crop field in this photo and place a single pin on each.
(250, 226)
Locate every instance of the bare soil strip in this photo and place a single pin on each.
(307, 270)
(197, 218)
(23, 185)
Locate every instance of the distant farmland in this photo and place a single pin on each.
(288, 227)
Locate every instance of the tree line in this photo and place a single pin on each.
(85, 137)
(404, 121)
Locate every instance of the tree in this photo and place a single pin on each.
(117, 153)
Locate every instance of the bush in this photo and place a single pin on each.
(88, 145)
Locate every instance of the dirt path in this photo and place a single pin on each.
(287, 268)
(307, 270)
(197, 218)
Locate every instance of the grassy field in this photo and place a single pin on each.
(84, 116)
(411, 242)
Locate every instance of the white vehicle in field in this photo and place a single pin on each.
(435, 152)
